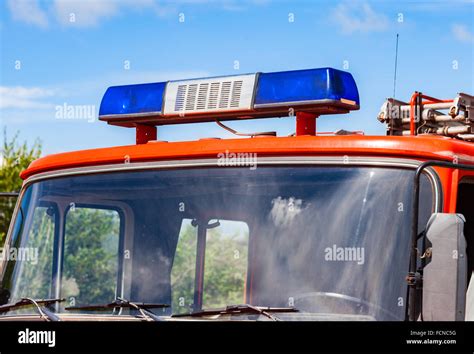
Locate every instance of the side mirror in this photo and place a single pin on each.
(445, 274)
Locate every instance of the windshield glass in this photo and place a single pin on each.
(325, 240)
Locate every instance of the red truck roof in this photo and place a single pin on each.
(419, 147)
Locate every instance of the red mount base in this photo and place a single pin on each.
(145, 133)
(305, 123)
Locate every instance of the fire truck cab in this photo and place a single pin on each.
(311, 226)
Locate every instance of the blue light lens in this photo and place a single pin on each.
(305, 85)
(133, 99)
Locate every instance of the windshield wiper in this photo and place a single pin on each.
(45, 314)
(240, 309)
(123, 303)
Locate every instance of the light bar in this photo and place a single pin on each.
(305, 87)
(131, 100)
(261, 95)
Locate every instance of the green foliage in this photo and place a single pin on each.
(15, 158)
(224, 273)
(36, 277)
(225, 269)
(90, 263)
(183, 271)
(91, 253)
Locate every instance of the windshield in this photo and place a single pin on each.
(321, 239)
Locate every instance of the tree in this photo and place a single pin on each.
(224, 270)
(91, 255)
(15, 157)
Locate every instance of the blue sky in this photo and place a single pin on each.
(60, 52)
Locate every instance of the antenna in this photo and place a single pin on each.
(395, 74)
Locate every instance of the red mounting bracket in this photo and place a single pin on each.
(145, 133)
(305, 123)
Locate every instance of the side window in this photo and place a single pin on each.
(7, 204)
(426, 209)
(225, 270)
(184, 268)
(427, 201)
(90, 263)
(36, 255)
(464, 207)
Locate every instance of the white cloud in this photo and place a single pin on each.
(84, 13)
(21, 105)
(28, 11)
(24, 97)
(359, 16)
(461, 33)
(90, 13)
(78, 13)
